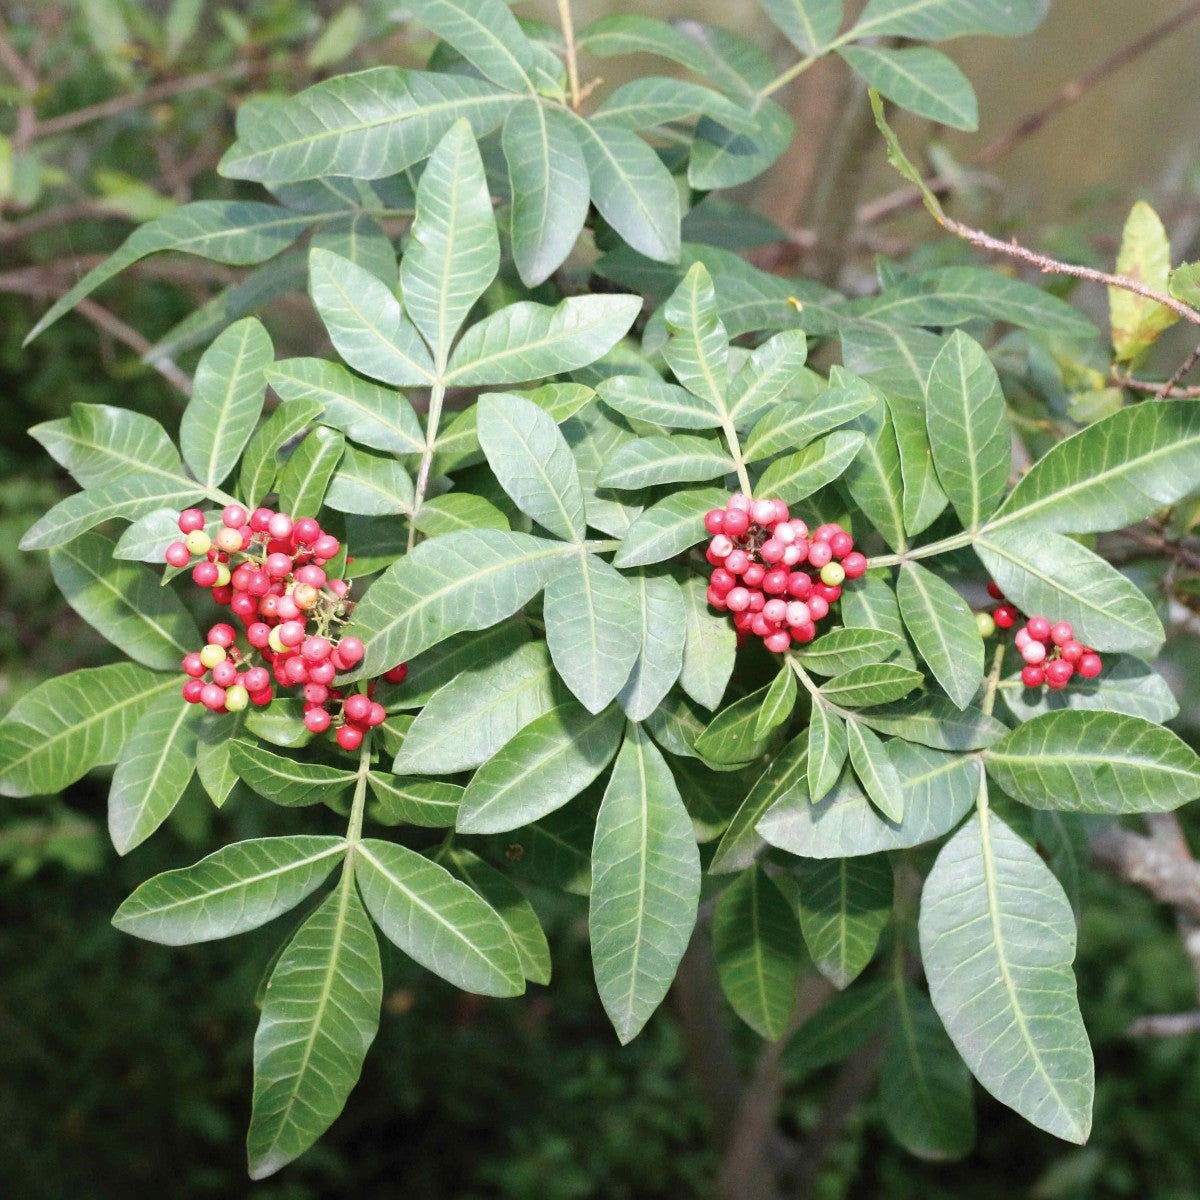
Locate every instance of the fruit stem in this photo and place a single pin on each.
(359, 804)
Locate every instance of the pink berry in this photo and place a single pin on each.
(753, 575)
(772, 551)
(820, 553)
(757, 601)
(841, 544)
(397, 674)
(721, 546)
(306, 530)
(286, 608)
(775, 610)
(737, 562)
(1072, 651)
(761, 627)
(736, 522)
(714, 520)
(205, 574)
(322, 672)
(357, 707)
(831, 593)
(804, 633)
(191, 520)
(193, 690)
(739, 502)
(222, 635)
(278, 565)
(256, 679)
(1033, 652)
(193, 666)
(798, 613)
(351, 650)
(315, 648)
(260, 519)
(259, 583)
(1061, 633)
(1090, 665)
(722, 580)
(777, 643)
(775, 582)
(1038, 628)
(855, 565)
(295, 670)
(1058, 673)
(264, 697)
(795, 553)
(316, 720)
(715, 598)
(258, 634)
(1005, 616)
(243, 605)
(781, 512)
(280, 526)
(377, 715)
(339, 587)
(314, 576)
(233, 516)
(222, 595)
(177, 555)
(349, 738)
(1033, 676)
(326, 547)
(212, 696)
(763, 512)
(818, 606)
(738, 599)
(315, 693)
(1023, 638)
(291, 633)
(225, 674)
(799, 585)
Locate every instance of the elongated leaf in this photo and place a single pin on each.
(1111, 474)
(756, 940)
(709, 647)
(288, 781)
(778, 705)
(550, 188)
(937, 20)
(64, 727)
(469, 718)
(236, 232)
(213, 768)
(731, 736)
(227, 399)
(362, 240)
(874, 479)
(434, 668)
(871, 604)
(100, 445)
(260, 462)
(453, 251)
(645, 885)
(365, 322)
(368, 125)
(370, 484)
(796, 476)
(843, 650)
(320, 1014)
(1048, 573)
(936, 723)
(1145, 255)
(645, 462)
(511, 907)
(843, 906)
(660, 632)
(669, 527)
(772, 372)
(457, 511)
(590, 611)
(1126, 685)
(877, 683)
(650, 399)
(944, 631)
(698, 350)
(794, 424)
(922, 80)
(849, 1021)
(879, 779)
(924, 1086)
(485, 33)
(808, 24)
(544, 765)
(937, 791)
(533, 341)
(784, 777)
(533, 463)
(660, 100)
(460, 581)
(969, 432)
(237, 888)
(403, 800)
(124, 601)
(305, 476)
(1078, 761)
(365, 412)
(437, 920)
(154, 767)
(997, 940)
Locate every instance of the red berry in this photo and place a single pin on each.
(205, 574)
(312, 575)
(798, 613)
(339, 587)
(397, 673)
(306, 530)
(264, 697)
(260, 518)
(993, 589)
(1038, 628)
(738, 599)
(761, 627)
(722, 580)
(225, 674)
(762, 512)
(278, 565)
(268, 606)
(1033, 652)
(1061, 633)
(799, 585)
(193, 666)
(1090, 665)
(315, 648)
(377, 715)
(243, 605)
(735, 523)
(326, 547)
(280, 526)
(820, 553)
(222, 594)
(291, 633)
(257, 678)
(777, 643)
(259, 583)
(258, 634)
(804, 633)
(316, 720)
(739, 502)
(776, 610)
(1005, 616)
(855, 565)
(322, 672)
(720, 547)
(831, 593)
(286, 608)
(351, 650)
(1033, 676)
(757, 601)
(714, 520)
(1058, 673)
(295, 670)
(1072, 651)
(357, 707)
(213, 696)
(178, 555)
(349, 738)
(841, 544)
(193, 690)
(775, 582)
(737, 562)
(772, 550)
(753, 575)
(818, 606)
(222, 635)
(190, 520)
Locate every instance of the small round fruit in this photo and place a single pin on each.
(1005, 616)
(820, 553)
(753, 575)
(212, 654)
(777, 643)
(855, 565)
(256, 679)
(1058, 673)
(1033, 676)
(316, 720)
(236, 698)
(349, 738)
(212, 696)
(357, 707)
(714, 520)
(280, 526)
(193, 665)
(993, 590)
(351, 650)
(1061, 633)
(1033, 652)
(193, 689)
(315, 649)
(736, 522)
(260, 518)
(229, 540)
(377, 715)
(397, 674)
(322, 672)
(306, 530)
(763, 512)
(1072, 651)
(833, 574)
(278, 565)
(225, 674)
(818, 606)
(198, 542)
(775, 582)
(275, 641)
(985, 623)
(326, 547)
(776, 610)
(1090, 665)
(737, 562)
(177, 555)
(291, 633)
(1038, 628)
(800, 585)
(205, 574)
(258, 634)
(841, 544)
(222, 635)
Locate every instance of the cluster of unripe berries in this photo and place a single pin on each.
(270, 571)
(1051, 652)
(776, 577)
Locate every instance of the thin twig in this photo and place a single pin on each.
(568, 31)
(52, 218)
(1184, 367)
(25, 77)
(1070, 92)
(1156, 389)
(1165, 1025)
(127, 335)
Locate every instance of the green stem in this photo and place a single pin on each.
(735, 451)
(437, 395)
(815, 692)
(993, 679)
(359, 804)
(797, 69)
(957, 542)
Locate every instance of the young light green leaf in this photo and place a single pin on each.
(486, 34)
(969, 432)
(796, 476)
(365, 412)
(369, 484)
(544, 765)
(650, 399)
(403, 800)
(320, 1014)
(645, 885)
(469, 718)
(1046, 572)
(648, 461)
(1078, 761)
(511, 907)
(844, 904)
(709, 647)
(873, 767)
(809, 25)
(457, 582)
(791, 425)
(660, 632)
(924, 1086)
(365, 322)
(453, 251)
(533, 463)
(237, 888)
(287, 781)
(154, 767)
(827, 749)
(922, 80)
(756, 942)
(64, 727)
(944, 631)
(784, 777)
(937, 790)
(778, 705)
(669, 527)
(533, 341)
(226, 401)
(307, 473)
(876, 683)
(124, 601)
(997, 940)
(843, 650)
(1114, 473)
(1145, 255)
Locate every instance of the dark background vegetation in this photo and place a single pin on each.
(124, 1066)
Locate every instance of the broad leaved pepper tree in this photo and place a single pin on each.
(570, 570)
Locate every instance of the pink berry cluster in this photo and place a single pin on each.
(776, 577)
(1051, 653)
(270, 571)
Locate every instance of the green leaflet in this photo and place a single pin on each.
(922, 80)
(405, 800)
(288, 781)
(879, 779)
(660, 633)
(827, 750)
(370, 485)
(943, 630)
(305, 476)
(645, 885)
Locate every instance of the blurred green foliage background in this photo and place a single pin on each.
(124, 1066)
